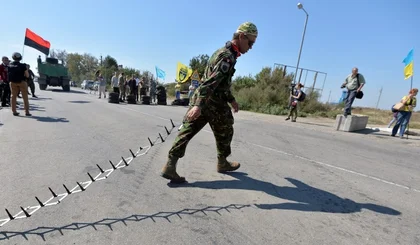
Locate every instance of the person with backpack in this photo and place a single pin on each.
(409, 102)
(297, 96)
(354, 84)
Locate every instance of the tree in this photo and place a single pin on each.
(61, 55)
(110, 62)
(90, 64)
(109, 66)
(76, 71)
(81, 66)
(199, 63)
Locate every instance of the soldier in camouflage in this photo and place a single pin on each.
(209, 104)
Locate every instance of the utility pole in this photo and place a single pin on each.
(328, 101)
(379, 98)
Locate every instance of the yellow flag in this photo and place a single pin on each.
(182, 73)
(408, 71)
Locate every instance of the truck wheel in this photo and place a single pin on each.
(43, 86)
(66, 88)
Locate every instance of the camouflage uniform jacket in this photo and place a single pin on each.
(217, 79)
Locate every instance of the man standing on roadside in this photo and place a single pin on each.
(209, 104)
(4, 82)
(354, 84)
(114, 83)
(31, 83)
(18, 74)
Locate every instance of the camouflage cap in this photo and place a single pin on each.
(248, 28)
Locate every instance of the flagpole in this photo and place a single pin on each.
(411, 86)
(408, 124)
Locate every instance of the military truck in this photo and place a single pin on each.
(51, 73)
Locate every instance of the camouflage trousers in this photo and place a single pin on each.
(221, 121)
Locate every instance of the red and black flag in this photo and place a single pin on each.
(37, 42)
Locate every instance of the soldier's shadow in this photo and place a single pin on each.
(304, 197)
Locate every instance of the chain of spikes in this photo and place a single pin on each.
(82, 186)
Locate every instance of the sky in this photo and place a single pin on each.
(374, 36)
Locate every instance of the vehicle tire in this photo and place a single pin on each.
(42, 86)
(131, 99)
(145, 100)
(66, 88)
(185, 101)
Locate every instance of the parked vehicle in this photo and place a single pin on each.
(87, 84)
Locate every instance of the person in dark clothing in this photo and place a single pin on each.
(18, 74)
(4, 82)
(31, 83)
(132, 85)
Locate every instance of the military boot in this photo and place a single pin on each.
(224, 165)
(169, 171)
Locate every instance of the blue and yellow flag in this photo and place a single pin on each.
(182, 73)
(408, 64)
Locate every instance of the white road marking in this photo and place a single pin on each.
(336, 167)
(299, 157)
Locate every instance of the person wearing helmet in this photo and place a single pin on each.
(209, 104)
(18, 74)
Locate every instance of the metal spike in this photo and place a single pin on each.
(151, 143)
(91, 178)
(134, 155)
(113, 166)
(102, 171)
(173, 125)
(68, 191)
(53, 193)
(125, 162)
(80, 186)
(167, 131)
(9, 214)
(39, 201)
(26, 213)
(161, 138)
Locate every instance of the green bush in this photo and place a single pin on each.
(269, 92)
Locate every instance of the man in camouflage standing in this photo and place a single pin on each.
(209, 104)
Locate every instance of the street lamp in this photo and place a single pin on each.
(300, 6)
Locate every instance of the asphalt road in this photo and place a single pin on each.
(299, 183)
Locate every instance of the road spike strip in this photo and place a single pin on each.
(167, 131)
(39, 201)
(91, 178)
(67, 189)
(10, 215)
(113, 166)
(53, 193)
(132, 154)
(100, 169)
(26, 213)
(125, 162)
(87, 183)
(81, 187)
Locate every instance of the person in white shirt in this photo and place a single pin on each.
(136, 89)
(102, 85)
(114, 83)
(191, 91)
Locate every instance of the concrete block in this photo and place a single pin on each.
(350, 123)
